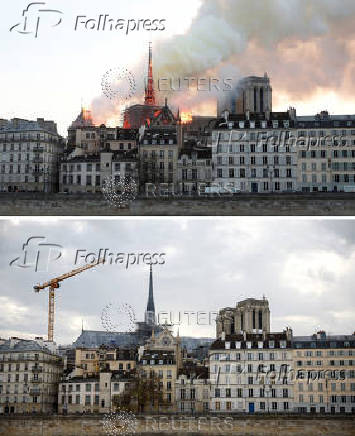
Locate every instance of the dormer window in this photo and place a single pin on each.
(228, 345)
(271, 344)
(248, 344)
(238, 345)
(260, 344)
(282, 344)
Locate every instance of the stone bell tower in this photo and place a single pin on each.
(249, 316)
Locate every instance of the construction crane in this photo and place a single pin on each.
(54, 284)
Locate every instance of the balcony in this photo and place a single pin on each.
(38, 149)
(35, 392)
(37, 160)
(37, 369)
(37, 172)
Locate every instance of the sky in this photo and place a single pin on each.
(306, 46)
(304, 267)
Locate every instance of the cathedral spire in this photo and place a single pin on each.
(150, 312)
(149, 89)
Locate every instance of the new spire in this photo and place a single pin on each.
(149, 89)
(150, 312)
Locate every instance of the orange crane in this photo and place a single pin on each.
(54, 284)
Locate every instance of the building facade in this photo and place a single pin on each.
(324, 373)
(194, 169)
(89, 173)
(192, 389)
(249, 153)
(29, 377)
(161, 358)
(30, 152)
(326, 153)
(249, 373)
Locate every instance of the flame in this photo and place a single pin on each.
(86, 114)
(186, 117)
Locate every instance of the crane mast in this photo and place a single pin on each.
(54, 284)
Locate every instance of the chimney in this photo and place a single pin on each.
(13, 341)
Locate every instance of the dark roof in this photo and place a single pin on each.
(81, 380)
(340, 341)
(23, 345)
(167, 356)
(117, 156)
(219, 344)
(192, 370)
(191, 147)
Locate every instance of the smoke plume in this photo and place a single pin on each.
(306, 46)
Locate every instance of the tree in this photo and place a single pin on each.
(142, 392)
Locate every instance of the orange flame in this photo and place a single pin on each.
(186, 117)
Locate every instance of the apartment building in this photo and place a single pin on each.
(91, 361)
(326, 152)
(29, 156)
(249, 373)
(88, 173)
(84, 137)
(192, 389)
(194, 168)
(91, 394)
(30, 371)
(79, 395)
(324, 373)
(249, 153)
(161, 357)
(159, 148)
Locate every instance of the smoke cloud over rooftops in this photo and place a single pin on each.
(306, 46)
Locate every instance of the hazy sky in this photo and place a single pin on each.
(306, 46)
(304, 267)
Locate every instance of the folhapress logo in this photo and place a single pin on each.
(37, 254)
(32, 17)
